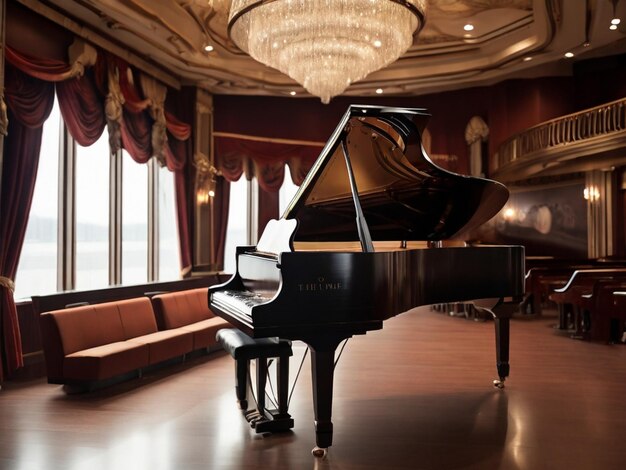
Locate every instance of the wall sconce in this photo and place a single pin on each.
(206, 181)
(591, 193)
(615, 21)
(509, 214)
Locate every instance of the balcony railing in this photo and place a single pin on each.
(601, 121)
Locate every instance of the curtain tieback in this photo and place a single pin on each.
(8, 283)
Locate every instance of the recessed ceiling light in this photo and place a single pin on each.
(615, 21)
(569, 55)
(208, 48)
(613, 27)
(527, 59)
(468, 27)
(379, 91)
(292, 93)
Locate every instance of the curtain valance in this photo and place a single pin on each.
(264, 158)
(88, 102)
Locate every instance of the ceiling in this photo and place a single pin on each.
(511, 38)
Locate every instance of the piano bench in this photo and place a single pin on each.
(241, 346)
(243, 349)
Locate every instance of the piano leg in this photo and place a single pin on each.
(502, 314)
(502, 350)
(322, 370)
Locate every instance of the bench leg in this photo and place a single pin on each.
(261, 380)
(241, 385)
(283, 385)
(274, 420)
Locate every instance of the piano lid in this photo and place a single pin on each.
(403, 194)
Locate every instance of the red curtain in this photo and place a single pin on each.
(48, 70)
(29, 102)
(221, 203)
(179, 155)
(178, 129)
(136, 123)
(268, 208)
(82, 108)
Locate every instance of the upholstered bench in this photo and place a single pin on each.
(243, 349)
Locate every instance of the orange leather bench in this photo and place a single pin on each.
(87, 344)
(97, 342)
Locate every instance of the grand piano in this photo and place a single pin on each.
(363, 240)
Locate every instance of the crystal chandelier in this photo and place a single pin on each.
(325, 45)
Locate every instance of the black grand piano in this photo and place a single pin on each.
(362, 241)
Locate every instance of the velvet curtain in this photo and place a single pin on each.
(29, 91)
(82, 109)
(29, 102)
(178, 151)
(141, 118)
(220, 221)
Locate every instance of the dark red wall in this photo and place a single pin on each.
(599, 81)
(507, 108)
(35, 35)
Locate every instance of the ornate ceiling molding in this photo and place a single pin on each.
(172, 35)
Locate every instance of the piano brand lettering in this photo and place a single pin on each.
(321, 285)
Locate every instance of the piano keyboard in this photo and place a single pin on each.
(241, 301)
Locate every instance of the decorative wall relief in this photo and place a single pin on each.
(549, 220)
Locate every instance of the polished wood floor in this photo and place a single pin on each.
(415, 395)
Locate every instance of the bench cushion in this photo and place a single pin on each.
(167, 344)
(204, 331)
(102, 362)
(88, 326)
(137, 317)
(177, 309)
(241, 346)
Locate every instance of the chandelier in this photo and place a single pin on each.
(325, 45)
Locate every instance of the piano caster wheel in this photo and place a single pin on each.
(319, 452)
(499, 383)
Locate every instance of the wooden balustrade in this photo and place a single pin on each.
(598, 122)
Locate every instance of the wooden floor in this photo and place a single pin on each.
(415, 395)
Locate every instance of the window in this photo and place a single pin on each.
(169, 259)
(241, 219)
(97, 219)
(134, 221)
(243, 214)
(37, 270)
(92, 214)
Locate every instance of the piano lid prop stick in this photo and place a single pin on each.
(361, 224)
